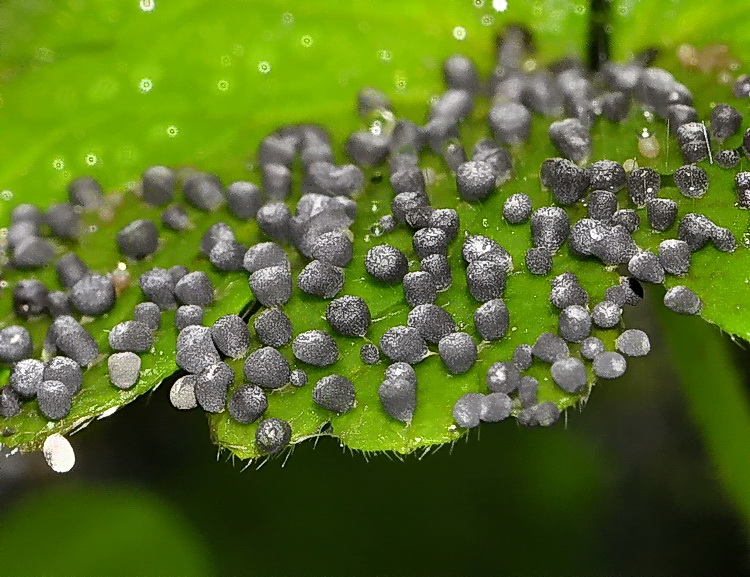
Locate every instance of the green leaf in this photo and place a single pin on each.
(133, 89)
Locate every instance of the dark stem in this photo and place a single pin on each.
(598, 46)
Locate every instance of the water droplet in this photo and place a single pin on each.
(580, 9)
(500, 5)
(147, 5)
(6, 195)
(374, 207)
(487, 20)
(306, 41)
(400, 82)
(91, 159)
(366, 238)
(376, 128)
(485, 223)
(385, 55)
(226, 60)
(459, 33)
(92, 229)
(287, 18)
(478, 3)
(172, 131)
(145, 85)
(376, 230)
(58, 164)
(264, 67)
(223, 85)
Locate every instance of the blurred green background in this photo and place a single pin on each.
(626, 487)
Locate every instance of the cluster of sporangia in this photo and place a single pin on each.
(319, 230)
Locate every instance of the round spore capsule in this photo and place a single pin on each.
(267, 368)
(602, 205)
(215, 234)
(477, 247)
(65, 370)
(398, 398)
(427, 241)
(203, 191)
(182, 393)
(29, 298)
(334, 393)
(33, 252)
(567, 291)
(58, 304)
(566, 180)
(149, 314)
(574, 323)
(64, 221)
(591, 347)
(231, 336)
(485, 280)
(674, 256)
(386, 263)
(503, 377)
(446, 219)
(321, 279)
(187, 315)
(693, 142)
(522, 357)
(195, 288)
(571, 138)
(682, 300)
(550, 227)
(458, 352)
(550, 348)
(475, 180)
(316, 348)
(264, 255)
(157, 185)
(496, 407)
(419, 217)
(538, 261)
(606, 314)
(542, 415)
(73, 340)
(298, 378)
(645, 266)
(124, 369)
(272, 286)
(643, 184)
(131, 336)
(334, 248)
(569, 374)
(349, 316)
(175, 218)
(26, 377)
(273, 435)
(492, 320)
(419, 288)
(633, 343)
(54, 400)
(691, 181)
(438, 267)
(195, 349)
(728, 158)
(662, 213)
(696, 230)
(369, 353)
(177, 272)
(607, 175)
(460, 73)
(407, 179)
(247, 404)
(227, 255)
(15, 344)
(726, 121)
(273, 327)
(277, 180)
(93, 295)
(403, 344)
(244, 199)
(467, 411)
(70, 269)
(609, 365)
(274, 220)
(404, 202)
(10, 403)
(367, 149)
(742, 185)
(527, 391)
(510, 122)
(138, 239)
(158, 285)
(517, 208)
(432, 322)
